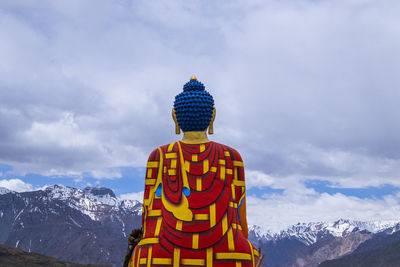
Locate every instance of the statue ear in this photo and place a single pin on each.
(177, 129)
(211, 126)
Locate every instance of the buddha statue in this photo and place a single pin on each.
(194, 206)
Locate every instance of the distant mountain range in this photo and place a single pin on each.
(73, 225)
(310, 233)
(91, 226)
(310, 244)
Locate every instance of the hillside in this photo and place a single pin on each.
(18, 257)
(382, 251)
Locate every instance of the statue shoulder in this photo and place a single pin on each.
(234, 154)
(155, 154)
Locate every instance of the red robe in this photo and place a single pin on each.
(191, 208)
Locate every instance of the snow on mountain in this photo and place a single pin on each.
(102, 195)
(4, 190)
(92, 201)
(310, 233)
(131, 204)
(378, 226)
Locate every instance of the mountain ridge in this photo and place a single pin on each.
(309, 233)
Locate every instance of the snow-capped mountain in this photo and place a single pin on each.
(4, 191)
(85, 226)
(309, 244)
(92, 201)
(310, 233)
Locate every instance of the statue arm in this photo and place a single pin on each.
(137, 234)
(243, 218)
(240, 189)
(150, 181)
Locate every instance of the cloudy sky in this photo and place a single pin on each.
(307, 91)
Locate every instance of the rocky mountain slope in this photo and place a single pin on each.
(381, 250)
(82, 226)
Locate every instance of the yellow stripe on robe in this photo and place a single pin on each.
(154, 213)
(232, 256)
(170, 147)
(201, 217)
(198, 183)
(193, 262)
(145, 241)
(195, 241)
(238, 163)
(162, 261)
(210, 257)
(178, 225)
(177, 255)
(212, 215)
(206, 166)
(171, 155)
(238, 183)
(152, 164)
(150, 181)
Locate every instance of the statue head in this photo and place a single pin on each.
(193, 108)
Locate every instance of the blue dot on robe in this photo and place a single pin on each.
(186, 191)
(158, 191)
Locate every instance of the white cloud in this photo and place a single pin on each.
(133, 196)
(111, 173)
(300, 89)
(258, 179)
(16, 185)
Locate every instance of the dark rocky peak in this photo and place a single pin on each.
(55, 186)
(340, 222)
(99, 191)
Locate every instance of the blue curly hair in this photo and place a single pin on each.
(193, 107)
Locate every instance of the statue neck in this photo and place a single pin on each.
(195, 137)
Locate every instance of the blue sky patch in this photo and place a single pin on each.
(258, 192)
(5, 168)
(132, 179)
(367, 192)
